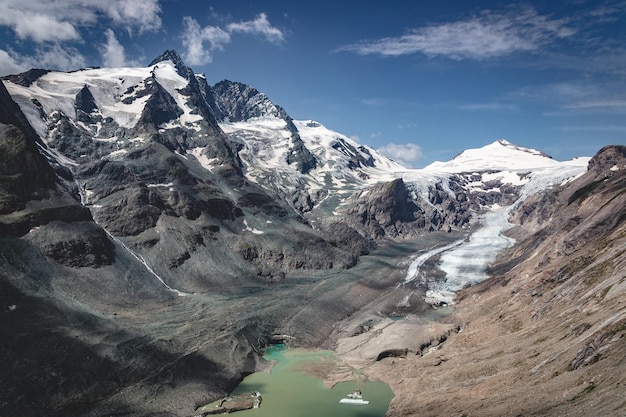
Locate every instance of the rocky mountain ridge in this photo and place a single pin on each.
(157, 209)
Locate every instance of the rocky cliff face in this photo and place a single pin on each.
(387, 210)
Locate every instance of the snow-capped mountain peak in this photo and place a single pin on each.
(499, 155)
(171, 57)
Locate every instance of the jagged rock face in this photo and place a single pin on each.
(393, 210)
(448, 210)
(358, 158)
(300, 157)
(171, 55)
(479, 193)
(28, 77)
(30, 192)
(387, 210)
(160, 108)
(238, 102)
(608, 158)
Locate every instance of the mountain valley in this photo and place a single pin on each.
(156, 233)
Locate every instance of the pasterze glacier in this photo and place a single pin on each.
(160, 234)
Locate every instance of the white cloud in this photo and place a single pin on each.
(201, 42)
(42, 28)
(195, 37)
(407, 153)
(259, 26)
(488, 35)
(61, 20)
(142, 15)
(113, 54)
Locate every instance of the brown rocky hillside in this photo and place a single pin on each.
(546, 336)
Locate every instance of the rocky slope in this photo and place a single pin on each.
(545, 335)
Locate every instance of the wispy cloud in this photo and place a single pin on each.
(572, 98)
(599, 104)
(259, 26)
(594, 128)
(407, 153)
(487, 35)
(57, 27)
(556, 92)
(374, 102)
(494, 106)
(196, 37)
(58, 56)
(201, 42)
(113, 52)
(143, 15)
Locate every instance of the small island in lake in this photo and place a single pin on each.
(231, 404)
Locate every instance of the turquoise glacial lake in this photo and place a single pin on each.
(291, 389)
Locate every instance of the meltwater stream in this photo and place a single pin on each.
(292, 388)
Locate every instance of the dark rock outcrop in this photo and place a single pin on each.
(159, 109)
(386, 210)
(75, 244)
(28, 77)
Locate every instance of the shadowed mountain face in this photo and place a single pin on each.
(155, 232)
(26, 174)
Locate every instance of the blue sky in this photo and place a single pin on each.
(419, 80)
